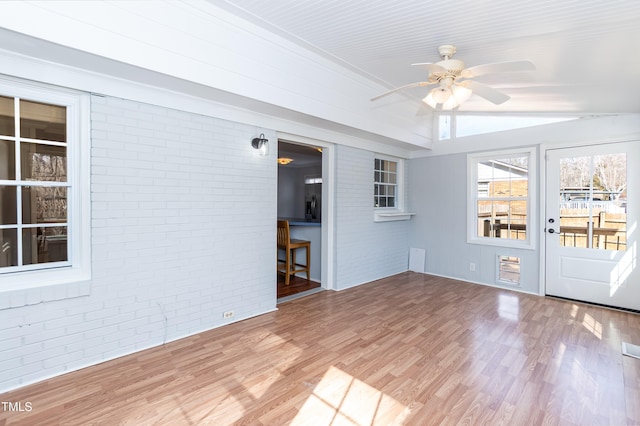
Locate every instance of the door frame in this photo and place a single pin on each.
(327, 252)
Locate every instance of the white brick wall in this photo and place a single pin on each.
(183, 229)
(366, 250)
(183, 212)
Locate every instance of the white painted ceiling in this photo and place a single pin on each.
(587, 52)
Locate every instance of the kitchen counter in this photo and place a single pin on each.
(298, 221)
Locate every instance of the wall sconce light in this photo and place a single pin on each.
(261, 144)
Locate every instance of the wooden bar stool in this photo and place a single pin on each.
(289, 266)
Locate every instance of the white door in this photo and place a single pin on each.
(591, 224)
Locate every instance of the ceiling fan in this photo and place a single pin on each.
(454, 80)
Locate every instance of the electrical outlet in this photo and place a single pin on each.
(472, 267)
(228, 314)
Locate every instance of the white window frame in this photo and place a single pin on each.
(472, 199)
(27, 285)
(450, 125)
(399, 188)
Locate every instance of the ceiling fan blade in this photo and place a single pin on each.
(487, 92)
(406, 86)
(431, 68)
(510, 66)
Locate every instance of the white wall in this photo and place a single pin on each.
(366, 250)
(438, 194)
(179, 203)
(439, 197)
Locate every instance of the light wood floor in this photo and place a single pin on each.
(410, 349)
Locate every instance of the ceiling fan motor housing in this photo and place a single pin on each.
(446, 51)
(453, 69)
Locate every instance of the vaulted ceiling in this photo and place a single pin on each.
(586, 51)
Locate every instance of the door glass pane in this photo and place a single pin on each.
(7, 122)
(593, 199)
(609, 202)
(43, 245)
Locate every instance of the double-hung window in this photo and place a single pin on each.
(501, 192)
(43, 186)
(385, 183)
(34, 220)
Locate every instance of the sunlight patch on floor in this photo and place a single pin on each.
(574, 310)
(340, 398)
(595, 327)
(509, 307)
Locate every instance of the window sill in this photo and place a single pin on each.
(32, 288)
(502, 242)
(391, 216)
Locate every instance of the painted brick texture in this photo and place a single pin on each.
(366, 250)
(183, 228)
(183, 214)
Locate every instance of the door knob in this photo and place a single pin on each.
(552, 220)
(552, 231)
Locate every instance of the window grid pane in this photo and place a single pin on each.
(8, 247)
(385, 182)
(44, 245)
(43, 121)
(7, 160)
(43, 163)
(7, 120)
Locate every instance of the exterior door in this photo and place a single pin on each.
(591, 224)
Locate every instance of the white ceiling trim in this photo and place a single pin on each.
(200, 44)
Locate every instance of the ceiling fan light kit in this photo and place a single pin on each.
(447, 94)
(453, 79)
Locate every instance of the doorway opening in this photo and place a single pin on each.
(300, 201)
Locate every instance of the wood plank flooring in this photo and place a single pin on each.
(296, 285)
(411, 349)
